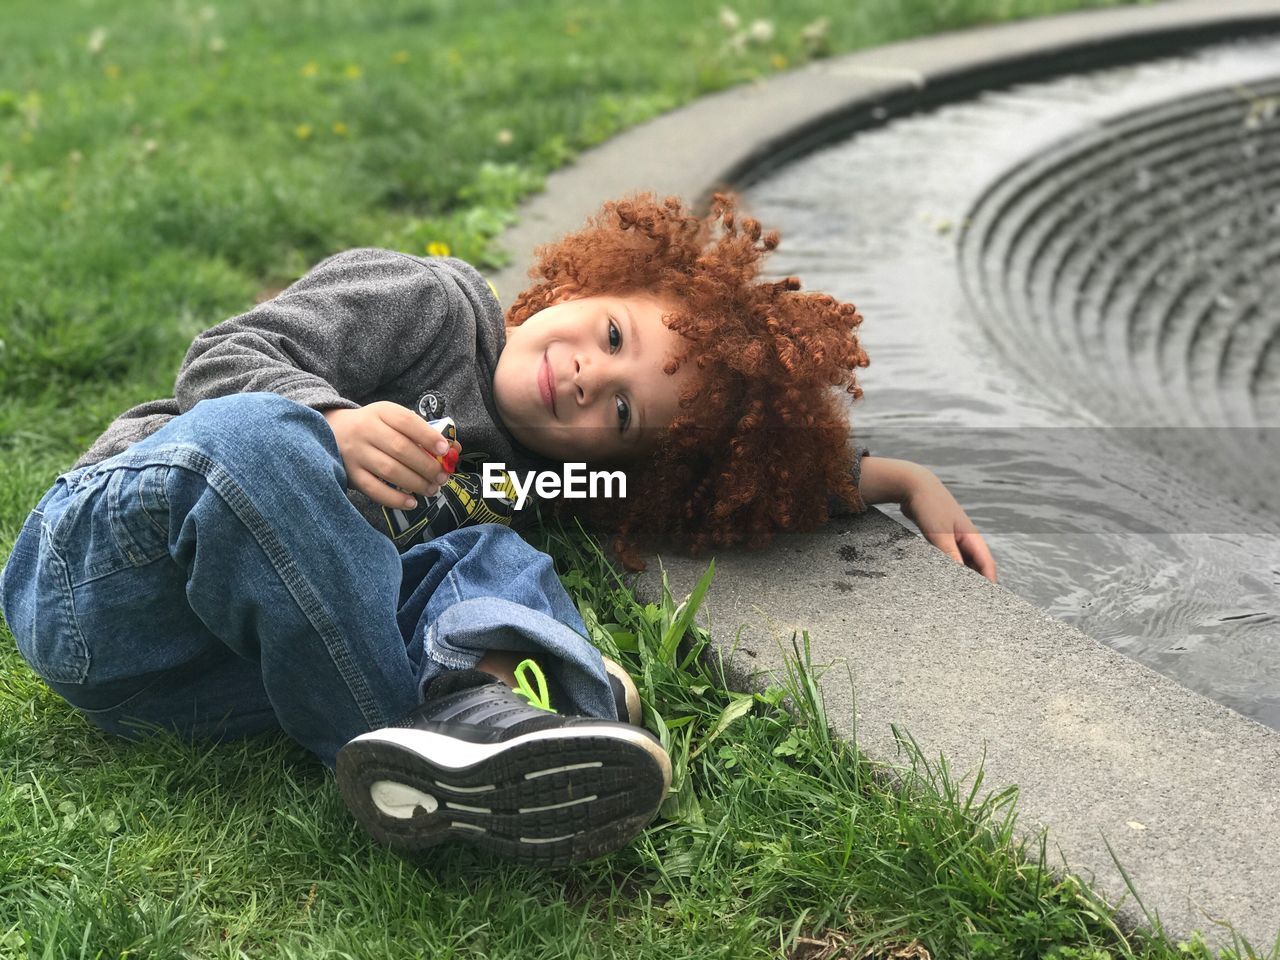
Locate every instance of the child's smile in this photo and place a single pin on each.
(582, 380)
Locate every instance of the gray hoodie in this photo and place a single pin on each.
(362, 326)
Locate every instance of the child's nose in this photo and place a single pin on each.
(592, 376)
(582, 381)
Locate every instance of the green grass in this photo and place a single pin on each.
(161, 164)
(775, 834)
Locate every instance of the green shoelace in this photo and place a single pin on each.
(538, 698)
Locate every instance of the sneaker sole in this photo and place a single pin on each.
(551, 797)
(625, 695)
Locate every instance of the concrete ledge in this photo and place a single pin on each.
(1100, 746)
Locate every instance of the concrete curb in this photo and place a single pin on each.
(1102, 748)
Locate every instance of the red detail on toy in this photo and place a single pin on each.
(450, 460)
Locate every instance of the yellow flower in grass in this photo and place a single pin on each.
(310, 68)
(352, 72)
(339, 129)
(437, 248)
(400, 57)
(302, 131)
(779, 61)
(111, 71)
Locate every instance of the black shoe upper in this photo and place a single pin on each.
(477, 707)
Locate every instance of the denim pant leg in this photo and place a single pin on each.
(232, 517)
(104, 621)
(482, 588)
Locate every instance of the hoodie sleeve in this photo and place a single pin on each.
(837, 507)
(354, 322)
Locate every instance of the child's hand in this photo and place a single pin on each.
(932, 508)
(387, 441)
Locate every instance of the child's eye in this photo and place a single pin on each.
(612, 330)
(624, 413)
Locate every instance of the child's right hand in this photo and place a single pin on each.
(932, 508)
(387, 441)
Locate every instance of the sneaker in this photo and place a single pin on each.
(625, 694)
(477, 762)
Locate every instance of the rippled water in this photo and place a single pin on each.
(1114, 441)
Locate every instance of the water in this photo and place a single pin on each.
(1094, 373)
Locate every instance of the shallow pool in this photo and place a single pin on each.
(1071, 293)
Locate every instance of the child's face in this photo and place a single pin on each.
(582, 380)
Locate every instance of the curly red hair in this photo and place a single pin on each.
(762, 439)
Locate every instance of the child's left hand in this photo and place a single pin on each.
(932, 508)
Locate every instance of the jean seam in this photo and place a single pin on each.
(235, 498)
(157, 490)
(66, 599)
(125, 541)
(445, 655)
(100, 711)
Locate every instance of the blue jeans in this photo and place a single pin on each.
(214, 580)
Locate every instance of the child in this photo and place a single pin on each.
(280, 545)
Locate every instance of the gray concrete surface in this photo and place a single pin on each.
(1101, 748)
